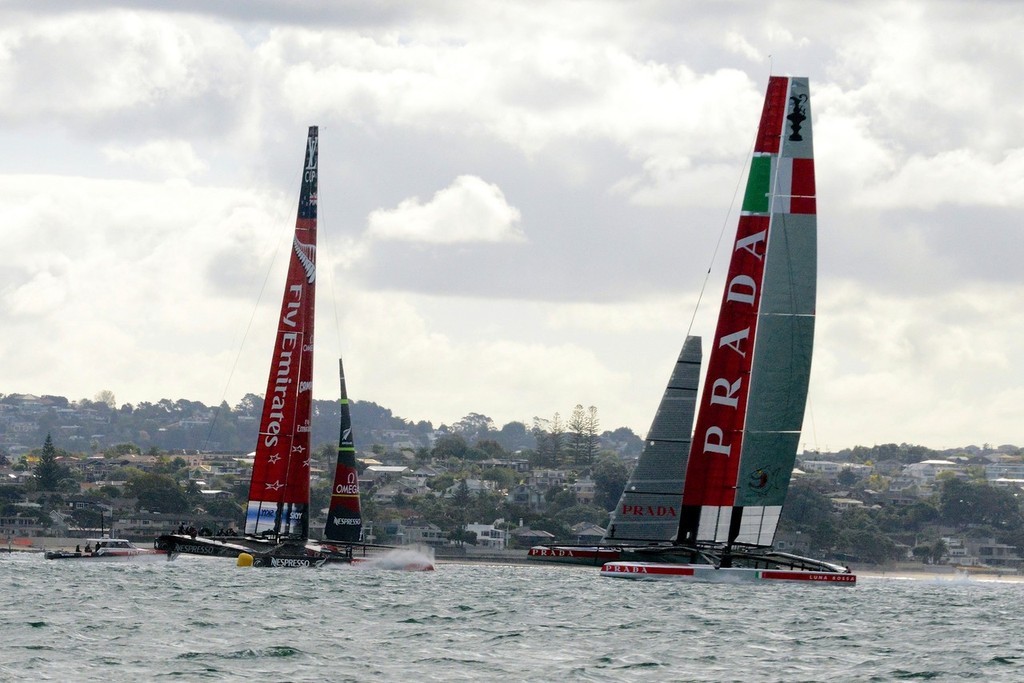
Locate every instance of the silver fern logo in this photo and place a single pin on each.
(306, 254)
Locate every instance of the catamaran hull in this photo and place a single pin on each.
(593, 556)
(296, 561)
(704, 573)
(315, 562)
(301, 561)
(137, 556)
(177, 544)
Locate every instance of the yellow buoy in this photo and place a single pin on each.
(244, 560)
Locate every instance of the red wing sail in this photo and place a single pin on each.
(279, 489)
(752, 406)
(344, 520)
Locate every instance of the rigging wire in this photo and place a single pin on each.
(726, 222)
(728, 216)
(284, 236)
(325, 245)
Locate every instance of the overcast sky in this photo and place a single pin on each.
(519, 201)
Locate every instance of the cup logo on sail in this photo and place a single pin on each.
(797, 115)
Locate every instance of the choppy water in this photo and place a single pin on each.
(205, 619)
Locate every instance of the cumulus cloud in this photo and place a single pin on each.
(171, 158)
(150, 163)
(468, 210)
(120, 71)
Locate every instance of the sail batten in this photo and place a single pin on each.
(752, 407)
(648, 509)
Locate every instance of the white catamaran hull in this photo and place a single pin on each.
(109, 550)
(705, 573)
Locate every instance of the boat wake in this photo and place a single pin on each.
(419, 560)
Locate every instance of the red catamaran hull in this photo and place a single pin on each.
(588, 555)
(653, 571)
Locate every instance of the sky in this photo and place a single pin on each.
(521, 203)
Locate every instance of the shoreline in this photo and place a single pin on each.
(903, 571)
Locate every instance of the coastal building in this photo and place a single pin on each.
(20, 525)
(488, 536)
(831, 470)
(528, 496)
(926, 471)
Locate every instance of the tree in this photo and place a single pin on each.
(49, 472)
(610, 477)
(847, 477)
(963, 503)
(157, 493)
(514, 436)
(809, 511)
(574, 514)
(106, 397)
(557, 435)
(250, 405)
(123, 449)
(504, 477)
(458, 509)
(917, 515)
(577, 426)
(223, 508)
(867, 545)
(549, 437)
(590, 427)
(320, 496)
(450, 446)
(922, 553)
(461, 537)
(474, 427)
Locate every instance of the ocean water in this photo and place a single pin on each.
(199, 619)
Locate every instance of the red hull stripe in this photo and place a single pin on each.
(655, 570)
(809, 576)
(650, 569)
(574, 552)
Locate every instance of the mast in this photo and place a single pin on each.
(279, 488)
(752, 407)
(648, 509)
(344, 519)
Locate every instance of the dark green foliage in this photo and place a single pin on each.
(503, 477)
(157, 493)
(963, 503)
(810, 512)
(610, 477)
(450, 446)
(223, 508)
(866, 545)
(904, 453)
(574, 514)
(50, 474)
